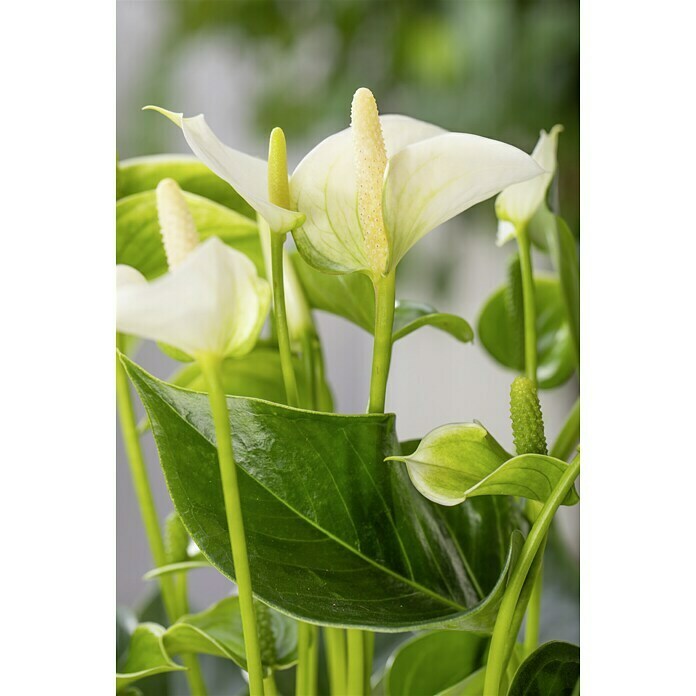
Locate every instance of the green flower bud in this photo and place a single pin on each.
(527, 419)
(176, 539)
(264, 628)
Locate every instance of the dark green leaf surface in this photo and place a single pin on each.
(551, 670)
(138, 239)
(462, 460)
(146, 656)
(352, 297)
(496, 330)
(144, 173)
(218, 631)
(335, 535)
(431, 662)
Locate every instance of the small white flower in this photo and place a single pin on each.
(366, 195)
(516, 205)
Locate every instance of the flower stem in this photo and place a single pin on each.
(497, 657)
(210, 368)
(569, 435)
(269, 686)
(335, 640)
(356, 662)
(531, 630)
(529, 303)
(173, 604)
(385, 293)
(281, 319)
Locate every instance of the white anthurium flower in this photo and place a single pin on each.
(366, 195)
(212, 301)
(372, 191)
(247, 175)
(516, 205)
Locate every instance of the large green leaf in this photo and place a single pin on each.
(352, 297)
(146, 656)
(497, 330)
(462, 460)
(551, 670)
(335, 535)
(431, 662)
(138, 239)
(218, 631)
(144, 173)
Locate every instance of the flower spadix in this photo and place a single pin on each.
(372, 191)
(516, 205)
(211, 302)
(248, 176)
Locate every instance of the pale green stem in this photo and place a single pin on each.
(281, 319)
(531, 629)
(313, 662)
(210, 368)
(356, 662)
(369, 638)
(385, 293)
(569, 435)
(529, 303)
(269, 686)
(497, 656)
(335, 641)
(146, 503)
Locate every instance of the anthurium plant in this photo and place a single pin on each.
(357, 563)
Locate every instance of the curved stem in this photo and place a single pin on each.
(529, 303)
(531, 630)
(210, 368)
(173, 604)
(507, 610)
(569, 435)
(385, 294)
(356, 662)
(281, 319)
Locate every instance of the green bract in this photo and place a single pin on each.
(460, 461)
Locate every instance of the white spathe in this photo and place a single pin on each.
(516, 205)
(431, 176)
(214, 303)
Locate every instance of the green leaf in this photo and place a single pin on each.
(551, 670)
(218, 631)
(146, 656)
(138, 239)
(431, 662)
(462, 460)
(496, 330)
(410, 316)
(334, 535)
(144, 173)
(352, 297)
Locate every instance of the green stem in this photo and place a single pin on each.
(269, 686)
(531, 629)
(148, 513)
(385, 293)
(313, 662)
(569, 435)
(281, 319)
(356, 662)
(369, 638)
(210, 368)
(335, 640)
(529, 303)
(307, 654)
(532, 545)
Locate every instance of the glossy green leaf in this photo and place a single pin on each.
(352, 297)
(335, 536)
(138, 239)
(459, 461)
(551, 670)
(496, 331)
(144, 173)
(146, 656)
(431, 662)
(410, 316)
(218, 631)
